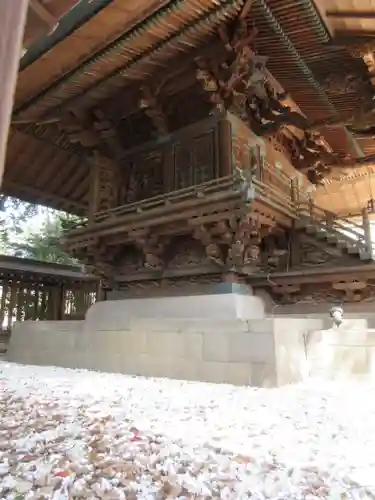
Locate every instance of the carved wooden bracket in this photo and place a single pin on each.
(104, 184)
(286, 292)
(232, 244)
(243, 85)
(152, 107)
(212, 248)
(79, 129)
(108, 133)
(153, 247)
(310, 154)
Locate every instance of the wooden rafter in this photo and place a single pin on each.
(40, 194)
(206, 16)
(43, 13)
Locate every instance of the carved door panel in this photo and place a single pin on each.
(145, 176)
(204, 158)
(195, 160)
(150, 175)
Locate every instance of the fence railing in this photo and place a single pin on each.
(36, 301)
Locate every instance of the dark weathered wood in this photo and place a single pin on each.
(225, 147)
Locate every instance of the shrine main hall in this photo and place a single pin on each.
(220, 156)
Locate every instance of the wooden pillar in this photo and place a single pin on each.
(224, 148)
(57, 298)
(367, 229)
(12, 24)
(99, 292)
(294, 195)
(169, 173)
(94, 193)
(105, 182)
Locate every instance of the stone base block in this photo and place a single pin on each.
(214, 306)
(264, 352)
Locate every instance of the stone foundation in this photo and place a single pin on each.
(223, 338)
(205, 338)
(342, 353)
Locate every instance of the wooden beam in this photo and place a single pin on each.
(40, 194)
(42, 12)
(12, 26)
(246, 9)
(318, 275)
(180, 76)
(350, 37)
(351, 14)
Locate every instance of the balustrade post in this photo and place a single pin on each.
(329, 219)
(366, 225)
(311, 207)
(294, 194)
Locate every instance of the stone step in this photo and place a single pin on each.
(332, 238)
(342, 244)
(352, 250)
(311, 229)
(321, 234)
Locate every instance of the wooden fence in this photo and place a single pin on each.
(21, 301)
(33, 290)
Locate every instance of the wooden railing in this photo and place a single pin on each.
(175, 204)
(272, 176)
(188, 194)
(335, 224)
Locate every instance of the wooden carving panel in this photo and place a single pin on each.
(186, 252)
(146, 176)
(108, 188)
(194, 160)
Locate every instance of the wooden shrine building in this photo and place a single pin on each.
(205, 141)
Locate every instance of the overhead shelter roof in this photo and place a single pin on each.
(101, 50)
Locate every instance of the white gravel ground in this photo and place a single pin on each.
(77, 434)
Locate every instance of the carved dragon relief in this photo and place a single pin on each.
(243, 85)
(310, 154)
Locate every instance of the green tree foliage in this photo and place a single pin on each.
(14, 214)
(39, 243)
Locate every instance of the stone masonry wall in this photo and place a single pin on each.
(260, 352)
